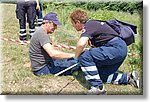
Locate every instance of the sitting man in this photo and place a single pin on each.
(45, 59)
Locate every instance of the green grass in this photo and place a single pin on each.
(18, 79)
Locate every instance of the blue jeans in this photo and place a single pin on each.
(56, 66)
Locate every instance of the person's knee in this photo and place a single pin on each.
(82, 57)
(85, 57)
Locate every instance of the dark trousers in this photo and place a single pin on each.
(39, 19)
(101, 64)
(26, 12)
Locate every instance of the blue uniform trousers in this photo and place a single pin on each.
(24, 9)
(100, 64)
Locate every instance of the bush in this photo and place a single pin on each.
(130, 7)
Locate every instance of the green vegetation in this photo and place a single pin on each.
(130, 7)
(18, 79)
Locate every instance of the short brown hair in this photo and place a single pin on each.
(79, 15)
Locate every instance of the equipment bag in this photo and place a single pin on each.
(125, 30)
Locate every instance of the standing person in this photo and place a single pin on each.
(100, 63)
(26, 11)
(39, 14)
(45, 59)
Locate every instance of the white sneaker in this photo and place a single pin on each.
(96, 91)
(133, 79)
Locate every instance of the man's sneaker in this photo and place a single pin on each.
(96, 91)
(133, 79)
(23, 37)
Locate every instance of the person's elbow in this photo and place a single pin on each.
(82, 42)
(50, 50)
(81, 45)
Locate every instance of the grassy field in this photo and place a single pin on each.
(18, 79)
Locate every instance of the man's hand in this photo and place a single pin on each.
(77, 60)
(38, 7)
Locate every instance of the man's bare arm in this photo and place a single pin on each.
(52, 52)
(80, 46)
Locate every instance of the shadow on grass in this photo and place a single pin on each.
(78, 75)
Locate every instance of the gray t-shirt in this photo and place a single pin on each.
(38, 56)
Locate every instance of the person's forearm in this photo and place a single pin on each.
(80, 46)
(52, 52)
(61, 55)
(79, 50)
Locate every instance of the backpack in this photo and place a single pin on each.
(125, 30)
